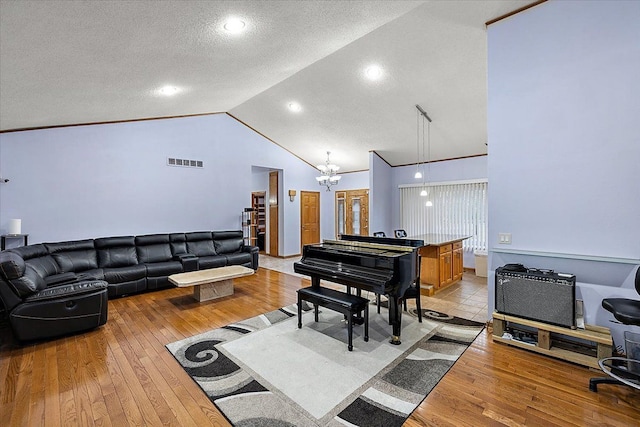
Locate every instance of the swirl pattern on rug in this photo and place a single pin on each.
(387, 399)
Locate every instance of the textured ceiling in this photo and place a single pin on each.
(69, 62)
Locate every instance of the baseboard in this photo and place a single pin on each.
(284, 256)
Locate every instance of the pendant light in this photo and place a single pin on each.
(418, 174)
(425, 173)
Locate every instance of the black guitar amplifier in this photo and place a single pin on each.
(539, 295)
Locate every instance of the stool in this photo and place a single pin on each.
(342, 302)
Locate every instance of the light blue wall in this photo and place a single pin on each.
(445, 171)
(380, 195)
(564, 142)
(348, 181)
(105, 180)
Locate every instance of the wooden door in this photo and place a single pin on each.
(309, 217)
(352, 212)
(273, 213)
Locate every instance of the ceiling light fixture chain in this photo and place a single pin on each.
(328, 176)
(418, 174)
(425, 173)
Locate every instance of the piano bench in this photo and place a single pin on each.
(342, 302)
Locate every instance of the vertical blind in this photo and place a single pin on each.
(458, 208)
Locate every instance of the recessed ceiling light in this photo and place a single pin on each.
(295, 107)
(234, 25)
(168, 90)
(373, 72)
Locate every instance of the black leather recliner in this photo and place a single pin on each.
(39, 310)
(49, 272)
(154, 251)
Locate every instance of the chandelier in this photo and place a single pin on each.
(328, 176)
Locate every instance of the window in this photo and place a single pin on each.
(458, 208)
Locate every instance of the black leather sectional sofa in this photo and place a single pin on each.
(51, 289)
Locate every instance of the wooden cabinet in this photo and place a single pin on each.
(440, 265)
(446, 266)
(457, 257)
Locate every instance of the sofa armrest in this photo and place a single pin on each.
(180, 257)
(189, 262)
(253, 250)
(58, 279)
(67, 290)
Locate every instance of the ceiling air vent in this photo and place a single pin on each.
(172, 161)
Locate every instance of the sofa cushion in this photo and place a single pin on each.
(223, 235)
(201, 248)
(93, 274)
(75, 256)
(45, 266)
(228, 245)
(31, 251)
(158, 269)
(178, 243)
(12, 265)
(125, 274)
(239, 258)
(28, 283)
(70, 246)
(116, 252)
(151, 239)
(153, 248)
(211, 262)
(58, 279)
(200, 244)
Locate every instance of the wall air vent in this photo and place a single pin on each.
(172, 161)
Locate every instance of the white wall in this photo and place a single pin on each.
(564, 142)
(380, 195)
(444, 171)
(349, 181)
(105, 180)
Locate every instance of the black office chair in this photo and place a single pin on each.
(627, 312)
(400, 234)
(379, 234)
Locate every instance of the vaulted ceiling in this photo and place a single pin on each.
(72, 62)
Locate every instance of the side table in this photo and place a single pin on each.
(4, 237)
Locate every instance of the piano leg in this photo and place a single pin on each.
(395, 318)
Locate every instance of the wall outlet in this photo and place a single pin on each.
(504, 238)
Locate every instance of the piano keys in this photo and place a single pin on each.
(378, 267)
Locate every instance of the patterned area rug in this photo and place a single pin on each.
(264, 371)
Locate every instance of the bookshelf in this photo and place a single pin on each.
(259, 224)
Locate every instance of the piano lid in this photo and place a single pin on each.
(364, 247)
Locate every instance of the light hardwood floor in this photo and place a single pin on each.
(121, 374)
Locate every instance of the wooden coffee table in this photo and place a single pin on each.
(212, 283)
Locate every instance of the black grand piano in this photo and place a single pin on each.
(378, 264)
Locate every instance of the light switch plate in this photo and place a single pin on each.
(504, 238)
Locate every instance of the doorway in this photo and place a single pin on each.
(309, 217)
(352, 212)
(273, 213)
(259, 223)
